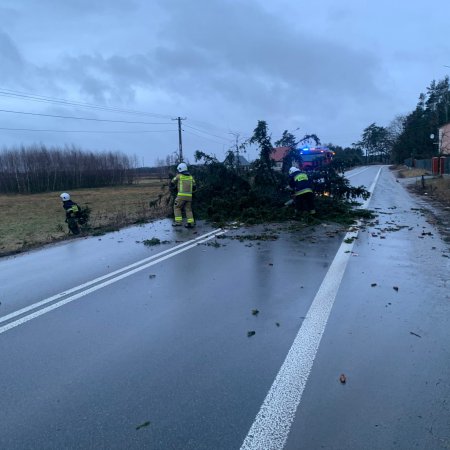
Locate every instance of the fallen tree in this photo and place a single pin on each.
(226, 192)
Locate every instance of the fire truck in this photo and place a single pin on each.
(315, 157)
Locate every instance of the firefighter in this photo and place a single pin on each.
(73, 212)
(71, 208)
(302, 187)
(185, 185)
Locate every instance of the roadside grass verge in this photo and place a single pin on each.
(437, 187)
(407, 172)
(28, 221)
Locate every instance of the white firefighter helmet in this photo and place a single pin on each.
(182, 167)
(65, 196)
(293, 170)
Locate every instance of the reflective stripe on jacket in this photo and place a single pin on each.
(185, 184)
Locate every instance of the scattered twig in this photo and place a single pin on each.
(142, 425)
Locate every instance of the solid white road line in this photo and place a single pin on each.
(113, 278)
(104, 277)
(273, 422)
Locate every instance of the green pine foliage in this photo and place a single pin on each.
(226, 192)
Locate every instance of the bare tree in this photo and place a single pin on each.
(38, 169)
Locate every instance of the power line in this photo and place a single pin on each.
(54, 100)
(64, 102)
(208, 125)
(47, 99)
(44, 99)
(201, 131)
(203, 137)
(86, 131)
(81, 118)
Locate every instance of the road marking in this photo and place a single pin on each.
(98, 284)
(104, 277)
(272, 424)
(356, 173)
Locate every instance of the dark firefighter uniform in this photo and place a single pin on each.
(71, 208)
(185, 184)
(303, 191)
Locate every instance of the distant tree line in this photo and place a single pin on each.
(36, 168)
(431, 112)
(409, 136)
(346, 157)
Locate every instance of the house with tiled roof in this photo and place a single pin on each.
(277, 156)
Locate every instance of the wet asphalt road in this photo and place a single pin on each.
(161, 359)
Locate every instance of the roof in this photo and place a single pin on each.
(279, 153)
(243, 161)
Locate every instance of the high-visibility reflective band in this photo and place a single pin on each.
(190, 221)
(181, 194)
(303, 191)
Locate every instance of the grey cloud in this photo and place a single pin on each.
(256, 60)
(232, 59)
(101, 79)
(8, 15)
(263, 48)
(11, 62)
(78, 7)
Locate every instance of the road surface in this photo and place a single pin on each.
(107, 343)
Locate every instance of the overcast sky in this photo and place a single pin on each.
(329, 68)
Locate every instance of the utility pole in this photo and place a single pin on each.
(236, 135)
(446, 98)
(446, 105)
(180, 143)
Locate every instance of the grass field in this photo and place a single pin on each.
(27, 221)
